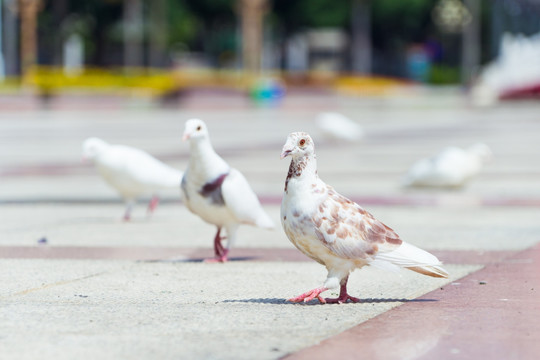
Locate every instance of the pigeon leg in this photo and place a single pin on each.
(310, 295)
(343, 295)
(218, 246)
(219, 251)
(127, 214)
(152, 205)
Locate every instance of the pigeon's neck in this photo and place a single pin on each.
(201, 146)
(302, 169)
(204, 160)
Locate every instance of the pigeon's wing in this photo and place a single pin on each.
(447, 168)
(242, 201)
(419, 172)
(339, 126)
(452, 166)
(451, 158)
(351, 232)
(149, 171)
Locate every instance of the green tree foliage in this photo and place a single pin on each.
(300, 14)
(405, 21)
(183, 25)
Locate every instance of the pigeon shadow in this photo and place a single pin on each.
(107, 220)
(200, 260)
(281, 301)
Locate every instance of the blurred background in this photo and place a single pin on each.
(163, 47)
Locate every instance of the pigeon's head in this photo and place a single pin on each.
(92, 147)
(195, 129)
(481, 151)
(298, 144)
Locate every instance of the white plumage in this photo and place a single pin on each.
(219, 194)
(130, 171)
(339, 127)
(516, 70)
(451, 167)
(336, 232)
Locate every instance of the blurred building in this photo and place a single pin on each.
(385, 37)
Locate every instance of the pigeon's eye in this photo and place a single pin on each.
(302, 142)
(199, 128)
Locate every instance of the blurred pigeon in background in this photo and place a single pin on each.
(219, 194)
(336, 232)
(132, 172)
(514, 73)
(452, 167)
(338, 127)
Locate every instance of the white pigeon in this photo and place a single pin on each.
(452, 167)
(132, 172)
(336, 232)
(219, 194)
(339, 127)
(514, 73)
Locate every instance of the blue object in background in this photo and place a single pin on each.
(267, 91)
(418, 64)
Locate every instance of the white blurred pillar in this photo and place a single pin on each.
(133, 23)
(470, 50)
(361, 37)
(73, 55)
(297, 54)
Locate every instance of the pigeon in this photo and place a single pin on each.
(132, 172)
(217, 193)
(452, 167)
(339, 127)
(514, 73)
(335, 231)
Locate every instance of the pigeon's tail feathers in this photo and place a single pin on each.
(384, 265)
(433, 271)
(243, 202)
(161, 176)
(407, 180)
(171, 178)
(264, 221)
(410, 257)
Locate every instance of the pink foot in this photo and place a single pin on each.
(127, 212)
(310, 295)
(343, 296)
(219, 258)
(152, 205)
(342, 299)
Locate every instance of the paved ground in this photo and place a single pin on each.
(103, 288)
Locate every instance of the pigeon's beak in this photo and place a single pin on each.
(185, 137)
(285, 153)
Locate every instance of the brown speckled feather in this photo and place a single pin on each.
(350, 231)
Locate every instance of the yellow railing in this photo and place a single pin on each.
(154, 82)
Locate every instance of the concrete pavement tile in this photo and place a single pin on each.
(187, 310)
(442, 228)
